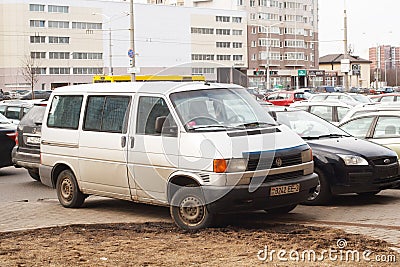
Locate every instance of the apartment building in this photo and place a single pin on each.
(282, 39)
(68, 43)
(385, 64)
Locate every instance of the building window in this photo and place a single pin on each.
(223, 44)
(59, 71)
(39, 70)
(58, 40)
(253, 43)
(37, 23)
(86, 25)
(237, 19)
(58, 9)
(252, 3)
(222, 19)
(200, 71)
(253, 57)
(59, 24)
(87, 70)
(38, 54)
(38, 39)
(59, 55)
(36, 7)
(202, 57)
(224, 57)
(223, 32)
(84, 55)
(237, 45)
(237, 32)
(237, 57)
(202, 30)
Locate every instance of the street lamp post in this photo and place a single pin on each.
(110, 68)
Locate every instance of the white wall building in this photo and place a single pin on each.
(70, 42)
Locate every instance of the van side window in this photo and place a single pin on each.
(151, 108)
(106, 114)
(64, 112)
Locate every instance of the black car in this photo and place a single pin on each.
(26, 152)
(344, 164)
(7, 140)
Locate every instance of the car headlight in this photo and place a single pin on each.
(353, 160)
(306, 155)
(230, 165)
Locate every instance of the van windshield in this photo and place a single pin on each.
(219, 109)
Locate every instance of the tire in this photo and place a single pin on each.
(369, 194)
(281, 210)
(34, 174)
(68, 192)
(188, 209)
(322, 193)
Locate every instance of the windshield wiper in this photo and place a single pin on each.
(325, 136)
(201, 127)
(255, 124)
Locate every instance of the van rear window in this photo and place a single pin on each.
(64, 112)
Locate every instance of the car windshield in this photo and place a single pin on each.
(219, 109)
(307, 125)
(362, 98)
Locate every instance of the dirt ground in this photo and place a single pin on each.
(162, 244)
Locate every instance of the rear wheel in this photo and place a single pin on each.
(34, 174)
(281, 210)
(322, 193)
(68, 191)
(189, 210)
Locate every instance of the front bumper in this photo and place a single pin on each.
(243, 197)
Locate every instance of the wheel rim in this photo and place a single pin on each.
(316, 192)
(66, 189)
(191, 210)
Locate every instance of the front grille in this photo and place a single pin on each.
(280, 176)
(263, 163)
(381, 161)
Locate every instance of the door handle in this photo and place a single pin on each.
(132, 142)
(123, 141)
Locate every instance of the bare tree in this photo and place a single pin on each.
(30, 72)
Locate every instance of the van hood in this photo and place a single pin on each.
(350, 145)
(238, 144)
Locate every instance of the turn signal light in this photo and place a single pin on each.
(220, 165)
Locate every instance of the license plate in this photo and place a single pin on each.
(33, 140)
(284, 190)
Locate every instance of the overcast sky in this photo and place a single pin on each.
(370, 23)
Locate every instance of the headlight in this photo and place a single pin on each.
(306, 155)
(353, 160)
(230, 165)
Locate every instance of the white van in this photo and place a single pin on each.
(199, 148)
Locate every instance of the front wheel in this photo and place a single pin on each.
(68, 192)
(188, 209)
(322, 193)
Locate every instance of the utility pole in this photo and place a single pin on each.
(346, 53)
(132, 41)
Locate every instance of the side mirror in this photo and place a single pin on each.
(159, 124)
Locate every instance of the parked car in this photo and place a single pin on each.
(15, 110)
(384, 90)
(285, 98)
(26, 152)
(7, 140)
(368, 108)
(344, 164)
(348, 98)
(382, 127)
(389, 97)
(330, 111)
(39, 94)
(198, 148)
